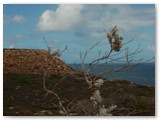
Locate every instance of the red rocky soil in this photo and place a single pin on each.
(32, 61)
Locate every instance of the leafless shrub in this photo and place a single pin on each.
(94, 83)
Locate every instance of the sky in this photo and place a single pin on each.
(80, 26)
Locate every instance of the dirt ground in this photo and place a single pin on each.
(23, 95)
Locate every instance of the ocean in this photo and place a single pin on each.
(141, 74)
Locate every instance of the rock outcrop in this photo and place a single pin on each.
(33, 61)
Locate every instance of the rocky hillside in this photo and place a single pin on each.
(32, 61)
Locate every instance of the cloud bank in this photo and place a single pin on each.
(15, 19)
(19, 19)
(64, 18)
(16, 37)
(95, 17)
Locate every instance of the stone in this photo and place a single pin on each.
(43, 112)
(11, 108)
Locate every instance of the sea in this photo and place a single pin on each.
(141, 74)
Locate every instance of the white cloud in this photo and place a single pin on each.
(57, 41)
(19, 19)
(144, 36)
(11, 46)
(129, 20)
(151, 48)
(94, 18)
(64, 18)
(18, 37)
(98, 33)
(16, 18)
(6, 19)
(124, 16)
(14, 37)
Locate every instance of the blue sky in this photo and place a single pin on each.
(79, 27)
